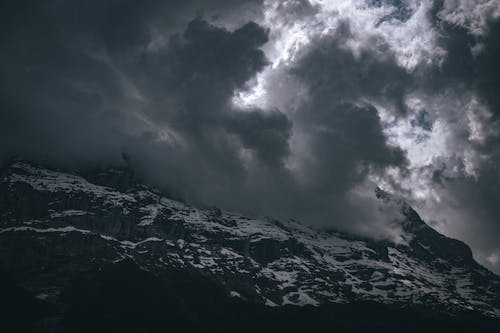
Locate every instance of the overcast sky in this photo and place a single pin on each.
(286, 108)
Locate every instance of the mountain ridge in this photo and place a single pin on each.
(57, 226)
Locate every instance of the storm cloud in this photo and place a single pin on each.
(292, 109)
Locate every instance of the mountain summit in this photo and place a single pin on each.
(67, 240)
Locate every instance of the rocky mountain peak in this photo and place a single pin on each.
(56, 226)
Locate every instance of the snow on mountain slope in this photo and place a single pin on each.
(54, 226)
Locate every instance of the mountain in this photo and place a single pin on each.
(99, 251)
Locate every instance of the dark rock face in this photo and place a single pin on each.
(101, 250)
(123, 298)
(435, 243)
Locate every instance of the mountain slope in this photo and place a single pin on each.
(57, 228)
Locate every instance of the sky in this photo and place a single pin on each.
(294, 109)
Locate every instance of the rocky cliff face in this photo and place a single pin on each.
(56, 227)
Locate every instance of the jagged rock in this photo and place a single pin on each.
(56, 226)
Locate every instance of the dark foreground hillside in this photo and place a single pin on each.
(124, 298)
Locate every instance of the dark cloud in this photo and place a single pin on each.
(342, 133)
(81, 84)
(346, 141)
(346, 130)
(90, 82)
(267, 133)
(206, 65)
(333, 70)
(471, 60)
(87, 83)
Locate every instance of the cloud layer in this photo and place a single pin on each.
(291, 108)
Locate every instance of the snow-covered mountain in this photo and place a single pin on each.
(56, 226)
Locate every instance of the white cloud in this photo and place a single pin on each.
(474, 15)
(460, 121)
(295, 24)
(494, 258)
